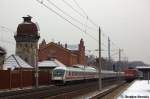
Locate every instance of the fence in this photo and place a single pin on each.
(22, 78)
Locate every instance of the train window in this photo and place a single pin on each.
(74, 73)
(69, 73)
(58, 72)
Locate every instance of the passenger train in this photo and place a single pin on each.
(76, 73)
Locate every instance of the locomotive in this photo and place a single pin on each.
(80, 73)
(131, 74)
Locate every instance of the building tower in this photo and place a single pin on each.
(27, 37)
(81, 52)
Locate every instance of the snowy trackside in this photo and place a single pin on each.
(140, 89)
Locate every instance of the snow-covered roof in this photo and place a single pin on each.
(140, 89)
(15, 61)
(72, 47)
(51, 63)
(143, 67)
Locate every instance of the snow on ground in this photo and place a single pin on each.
(140, 89)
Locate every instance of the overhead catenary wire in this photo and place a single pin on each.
(64, 18)
(74, 9)
(86, 26)
(41, 2)
(74, 19)
(86, 14)
(79, 7)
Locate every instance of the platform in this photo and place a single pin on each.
(99, 94)
(140, 89)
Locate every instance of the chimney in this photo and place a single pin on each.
(27, 18)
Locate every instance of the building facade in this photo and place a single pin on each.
(27, 37)
(67, 54)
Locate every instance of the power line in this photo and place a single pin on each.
(104, 34)
(79, 7)
(41, 2)
(86, 14)
(69, 15)
(73, 8)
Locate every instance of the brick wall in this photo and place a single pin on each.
(19, 79)
(67, 57)
(61, 54)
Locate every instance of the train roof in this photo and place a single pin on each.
(81, 69)
(143, 67)
(87, 69)
(108, 71)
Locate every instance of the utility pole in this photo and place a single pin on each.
(119, 55)
(36, 69)
(109, 58)
(100, 78)
(119, 65)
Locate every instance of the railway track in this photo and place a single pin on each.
(116, 92)
(55, 92)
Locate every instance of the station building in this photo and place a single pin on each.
(67, 54)
(145, 72)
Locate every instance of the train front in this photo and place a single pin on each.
(131, 74)
(58, 75)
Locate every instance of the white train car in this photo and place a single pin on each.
(66, 74)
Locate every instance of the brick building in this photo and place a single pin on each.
(67, 54)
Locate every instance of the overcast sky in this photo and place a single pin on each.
(126, 22)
